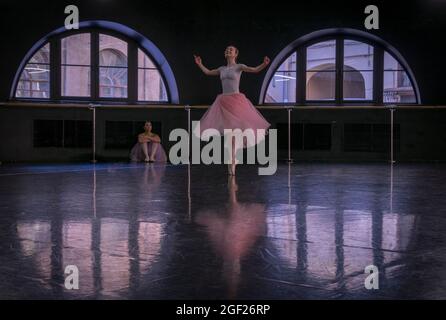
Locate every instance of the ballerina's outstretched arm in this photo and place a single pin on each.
(206, 71)
(259, 68)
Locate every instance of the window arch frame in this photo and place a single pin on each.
(95, 28)
(300, 45)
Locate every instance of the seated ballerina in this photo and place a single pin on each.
(148, 148)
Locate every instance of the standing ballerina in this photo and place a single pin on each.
(231, 109)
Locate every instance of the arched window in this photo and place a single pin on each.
(102, 61)
(339, 66)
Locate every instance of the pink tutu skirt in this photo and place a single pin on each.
(233, 111)
(137, 153)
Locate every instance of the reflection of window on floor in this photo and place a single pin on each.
(62, 134)
(283, 231)
(114, 246)
(77, 239)
(124, 134)
(321, 259)
(35, 242)
(308, 136)
(327, 243)
(367, 137)
(106, 263)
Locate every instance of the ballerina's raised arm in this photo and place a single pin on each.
(257, 69)
(206, 71)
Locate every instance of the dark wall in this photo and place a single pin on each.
(181, 28)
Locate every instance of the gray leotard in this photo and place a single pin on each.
(230, 78)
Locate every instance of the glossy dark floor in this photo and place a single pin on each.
(174, 232)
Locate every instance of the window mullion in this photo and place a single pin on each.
(94, 68)
(301, 75)
(378, 75)
(339, 71)
(132, 74)
(55, 69)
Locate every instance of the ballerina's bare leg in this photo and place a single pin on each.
(145, 150)
(154, 149)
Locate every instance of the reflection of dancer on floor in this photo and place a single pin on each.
(234, 234)
(231, 109)
(153, 177)
(148, 148)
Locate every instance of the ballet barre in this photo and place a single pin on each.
(289, 108)
(164, 106)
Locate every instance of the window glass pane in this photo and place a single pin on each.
(113, 79)
(34, 82)
(321, 85)
(321, 64)
(282, 88)
(322, 56)
(112, 51)
(113, 82)
(357, 55)
(390, 62)
(289, 64)
(358, 85)
(42, 56)
(144, 61)
(151, 86)
(75, 81)
(398, 88)
(76, 49)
